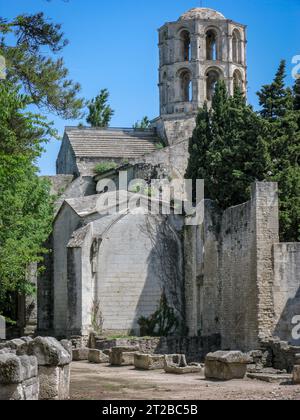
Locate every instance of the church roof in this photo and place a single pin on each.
(111, 143)
(202, 13)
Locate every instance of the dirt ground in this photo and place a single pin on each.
(103, 382)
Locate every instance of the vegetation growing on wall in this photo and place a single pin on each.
(103, 167)
(162, 323)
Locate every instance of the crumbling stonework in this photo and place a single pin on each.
(148, 361)
(36, 369)
(123, 356)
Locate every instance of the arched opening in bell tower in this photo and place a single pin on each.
(185, 40)
(236, 47)
(212, 77)
(186, 91)
(212, 50)
(238, 82)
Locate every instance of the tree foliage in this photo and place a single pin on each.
(29, 44)
(233, 146)
(100, 113)
(25, 204)
(144, 124)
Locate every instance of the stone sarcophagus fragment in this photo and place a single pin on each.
(149, 361)
(226, 366)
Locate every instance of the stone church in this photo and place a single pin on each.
(225, 275)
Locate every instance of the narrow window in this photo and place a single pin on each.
(185, 46)
(212, 46)
(212, 78)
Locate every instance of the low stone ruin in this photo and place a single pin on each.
(36, 369)
(226, 366)
(80, 354)
(97, 357)
(149, 361)
(123, 356)
(176, 364)
(18, 377)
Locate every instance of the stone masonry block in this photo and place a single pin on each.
(226, 365)
(97, 356)
(148, 362)
(54, 382)
(49, 352)
(296, 375)
(80, 354)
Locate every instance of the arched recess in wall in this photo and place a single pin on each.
(213, 75)
(213, 45)
(238, 82)
(236, 46)
(185, 45)
(185, 85)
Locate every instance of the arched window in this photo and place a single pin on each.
(186, 93)
(238, 81)
(212, 77)
(212, 50)
(236, 47)
(185, 40)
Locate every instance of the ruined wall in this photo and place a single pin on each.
(175, 129)
(232, 276)
(174, 159)
(286, 289)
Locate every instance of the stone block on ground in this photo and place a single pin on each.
(97, 356)
(54, 382)
(18, 377)
(80, 354)
(123, 356)
(148, 361)
(270, 377)
(15, 370)
(176, 364)
(296, 375)
(226, 366)
(49, 352)
(26, 391)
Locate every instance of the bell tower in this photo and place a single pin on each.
(195, 52)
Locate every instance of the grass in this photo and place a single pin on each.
(103, 167)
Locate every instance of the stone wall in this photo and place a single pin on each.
(174, 159)
(230, 270)
(195, 348)
(286, 289)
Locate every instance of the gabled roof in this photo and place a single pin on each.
(111, 143)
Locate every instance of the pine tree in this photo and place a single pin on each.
(28, 43)
(297, 94)
(100, 113)
(227, 149)
(275, 98)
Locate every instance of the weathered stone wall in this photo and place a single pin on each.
(173, 158)
(195, 348)
(66, 161)
(230, 270)
(134, 267)
(67, 222)
(286, 289)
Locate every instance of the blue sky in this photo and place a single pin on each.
(113, 45)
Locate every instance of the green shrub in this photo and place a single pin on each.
(103, 167)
